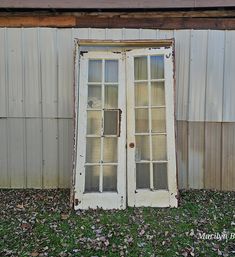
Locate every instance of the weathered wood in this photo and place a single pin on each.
(146, 21)
(113, 4)
(213, 151)
(202, 13)
(37, 21)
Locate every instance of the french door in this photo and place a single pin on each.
(126, 158)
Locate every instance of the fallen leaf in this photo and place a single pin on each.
(64, 216)
(34, 254)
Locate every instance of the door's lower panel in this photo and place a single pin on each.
(147, 198)
(102, 200)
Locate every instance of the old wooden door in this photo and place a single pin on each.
(151, 162)
(102, 174)
(101, 158)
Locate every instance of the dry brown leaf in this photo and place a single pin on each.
(34, 254)
(64, 216)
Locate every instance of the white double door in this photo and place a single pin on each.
(125, 142)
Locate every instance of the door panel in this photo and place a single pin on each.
(151, 163)
(101, 158)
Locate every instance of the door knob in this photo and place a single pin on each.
(131, 145)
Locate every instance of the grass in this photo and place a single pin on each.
(40, 223)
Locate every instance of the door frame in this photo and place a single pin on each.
(115, 45)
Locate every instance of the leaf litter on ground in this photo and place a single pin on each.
(41, 223)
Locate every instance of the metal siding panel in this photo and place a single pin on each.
(50, 153)
(228, 153)
(15, 73)
(4, 175)
(182, 65)
(34, 153)
(212, 155)
(96, 33)
(229, 78)
(16, 147)
(215, 69)
(48, 72)
(114, 34)
(80, 33)
(65, 152)
(165, 34)
(148, 34)
(196, 155)
(3, 78)
(65, 73)
(182, 154)
(32, 73)
(131, 34)
(198, 68)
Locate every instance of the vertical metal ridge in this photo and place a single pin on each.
(24, 108)
(7, 101)
(222, 126)
(188, 102)
(57, 102)
(41, 103)
(189, 76)
(204, 123)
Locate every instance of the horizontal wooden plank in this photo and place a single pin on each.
(37, 21)
(94, 4)
(147, 22)
(173, 13)
(113, 4)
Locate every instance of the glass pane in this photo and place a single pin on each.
(141, 120)
(109, 178)
(95, 71)
(110, 122)
(111, 96)
(92, 174)
(110, 149)
(140, 64)
(111, 71)
(94, 122)
(157, 67)
(141, 94)
(142, 150)
(158, 93)
(160, 176)
(159, 147)
(158, 120)
(92, 150)
(142, 175)
(94, 96)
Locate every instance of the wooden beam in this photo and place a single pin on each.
(38, 21)
(92, 21)
(114, 4)
(157, 23)
(230, 13)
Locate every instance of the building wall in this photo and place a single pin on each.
(36, 104)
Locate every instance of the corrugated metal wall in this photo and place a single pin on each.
(36, 102)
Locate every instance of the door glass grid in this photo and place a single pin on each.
(150, 123)
(102, 126)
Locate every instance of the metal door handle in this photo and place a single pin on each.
(131, 145)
